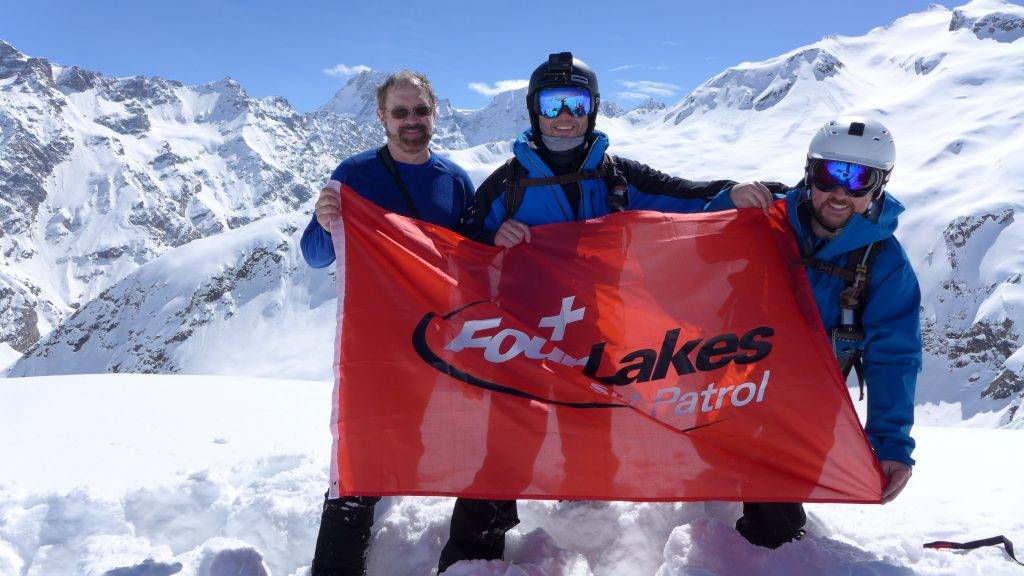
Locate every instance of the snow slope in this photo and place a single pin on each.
(242, 298)
(211, 476)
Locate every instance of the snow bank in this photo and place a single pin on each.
(127, 475)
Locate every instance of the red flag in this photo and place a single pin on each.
(639, 356)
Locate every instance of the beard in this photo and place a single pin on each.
(830, 220)
(410, 139)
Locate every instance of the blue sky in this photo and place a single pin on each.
(305, 51)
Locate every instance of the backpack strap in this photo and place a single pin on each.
(994, 541)
(615, 182)
(513, 188)
(389, 162)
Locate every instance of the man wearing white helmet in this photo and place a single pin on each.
(867, 295)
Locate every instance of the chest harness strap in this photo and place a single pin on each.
(617, 198)
(851, 303)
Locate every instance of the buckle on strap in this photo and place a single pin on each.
(828, 268)
(847, 335)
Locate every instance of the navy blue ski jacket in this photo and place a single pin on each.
(440, 189)
(891, 346)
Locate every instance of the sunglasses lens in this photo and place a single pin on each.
(401, 112)
(858, 180)
(551, 101)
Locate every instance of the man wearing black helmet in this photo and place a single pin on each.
(561, 173)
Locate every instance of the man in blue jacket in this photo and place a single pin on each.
(562, 173)
(405, 177)
(867, 295)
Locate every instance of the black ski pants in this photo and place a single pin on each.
(772, 524)
(344, 536)
(479, 527)
(478, 530)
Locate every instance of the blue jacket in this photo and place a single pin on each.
(440, 189)
(648, 189)
(890, 319)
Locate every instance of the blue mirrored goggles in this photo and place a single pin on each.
(575, 99)
(856, 179)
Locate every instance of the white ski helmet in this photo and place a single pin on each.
(857, 140)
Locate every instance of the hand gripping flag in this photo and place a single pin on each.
(639, 356)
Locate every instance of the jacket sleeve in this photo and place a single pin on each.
(654, 190)
(892, 357)
(317, 246)
(723, 200)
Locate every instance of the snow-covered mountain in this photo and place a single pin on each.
(218, 215)
(214, 303)
(100, 175)
(941, 80)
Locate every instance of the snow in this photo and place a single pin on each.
(8, 356)
(148, 474)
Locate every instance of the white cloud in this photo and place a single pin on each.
(498, 87)
(640, 67)
(648, 88)
(631, 96)
(345, 70)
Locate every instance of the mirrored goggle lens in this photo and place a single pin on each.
(401, 112)
(551, 101)
(858, 180)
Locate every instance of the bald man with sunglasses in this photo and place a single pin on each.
(403, 176)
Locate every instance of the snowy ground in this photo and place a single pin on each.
(126, 475)
(8, 356)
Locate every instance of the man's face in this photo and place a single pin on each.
(411, 134)
(834, 209)
(565, 125)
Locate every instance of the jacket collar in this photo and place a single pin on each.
(526, 151)
(859, 231)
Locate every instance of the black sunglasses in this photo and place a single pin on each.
(401, 112)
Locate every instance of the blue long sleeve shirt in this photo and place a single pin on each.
(440, 190)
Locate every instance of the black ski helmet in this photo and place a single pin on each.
(562, 69)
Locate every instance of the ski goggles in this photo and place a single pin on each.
(401, 112)
(575, 99)
(858, 180)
